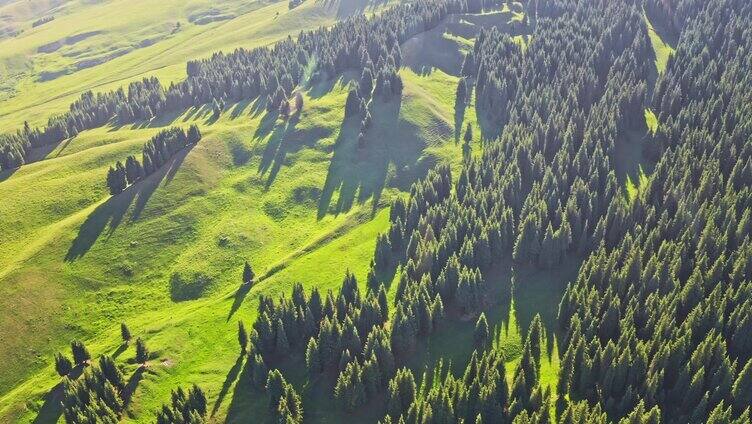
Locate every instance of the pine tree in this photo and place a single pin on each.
(259, 371)
(298, 102)
(480, 336)
(282, 345)
(468, 134)
(194, 134)
(125, 333)
(63, 365)
(116, 179)
(81, 354)
(197, 400)
(313, 357)
(275, 388)
(742, 389)
(111, 372)
(142, 352)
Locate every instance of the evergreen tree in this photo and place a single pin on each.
(275, 388)
(63, 365)
(480, 336)
(125, 333)
(142, 352)
(81, 354)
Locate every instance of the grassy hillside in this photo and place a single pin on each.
(298, 199)
(105, 45)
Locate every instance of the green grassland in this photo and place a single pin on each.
(297, 198)
(105, 45)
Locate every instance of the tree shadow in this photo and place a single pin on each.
(52, 408)
(390, 155)
(239, 108)
(346, 8)
(239, 297)
(459, 118)
(266, 125)
(166, 172)
(7, 173)
(432, 50)
(243, 405)
(43, 152)
(130, 388)
(286, 138)
(490, 127)
(232, 375)
(110, 213)
(107, 215)
(120, 349)
(278, 146)
(322, 87)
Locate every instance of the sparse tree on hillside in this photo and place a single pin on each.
(194, 134)
(81, 354)
(116, 179)
(142, 352)
(468, 133)
(63, 365)
(298, 102)
(125, 333)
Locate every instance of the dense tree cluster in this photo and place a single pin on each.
(481, 394)
(156, 152)
(96, 396)
(659, 313)
(283, 399)
(271, 73)
(43, 20)
(334, 324)
(184, 408)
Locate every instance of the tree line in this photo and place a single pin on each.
(270, 73)
(155, 153)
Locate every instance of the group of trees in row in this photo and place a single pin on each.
(156, 152)
(269, 73)
(184, 408)
(364, 93)
(43, 20)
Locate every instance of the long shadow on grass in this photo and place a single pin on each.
(7, 173)
(132, 385)
(347, 8)
(52, 408)
(231, 377)
(358, 173)
(248, 404)
(286, 139)
(239, 297)
(109, 215)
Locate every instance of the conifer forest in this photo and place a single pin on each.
(376, 211)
